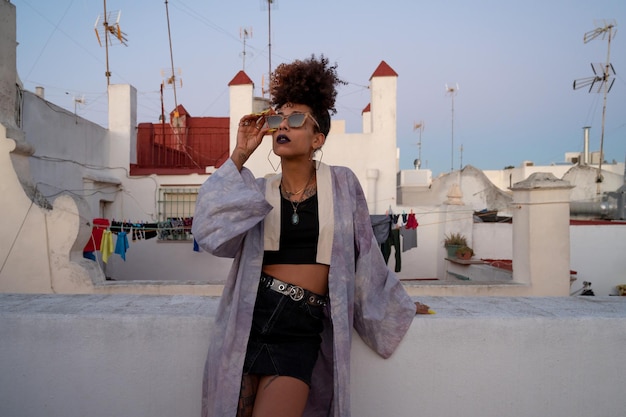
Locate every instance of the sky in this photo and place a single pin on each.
(512, 64)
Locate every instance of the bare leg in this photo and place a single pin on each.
(280, 396)
(247, 395)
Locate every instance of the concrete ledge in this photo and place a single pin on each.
(127, 355)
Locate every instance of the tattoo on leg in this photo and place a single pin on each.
(247, 395)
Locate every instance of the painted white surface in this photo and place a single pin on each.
(103, 356)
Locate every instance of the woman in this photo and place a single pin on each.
(306, 266)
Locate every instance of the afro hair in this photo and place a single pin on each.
(311, 82)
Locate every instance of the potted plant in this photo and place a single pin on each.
(452, 242)
(464, 252)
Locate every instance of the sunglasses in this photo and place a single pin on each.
(294, 120)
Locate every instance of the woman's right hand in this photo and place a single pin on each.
(252, 129)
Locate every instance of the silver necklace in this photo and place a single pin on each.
(295, 217)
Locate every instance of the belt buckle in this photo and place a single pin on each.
(296, 293)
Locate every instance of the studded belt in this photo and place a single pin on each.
(294, 292)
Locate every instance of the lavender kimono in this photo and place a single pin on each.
(234, 218)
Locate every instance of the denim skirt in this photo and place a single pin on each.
(285, 336)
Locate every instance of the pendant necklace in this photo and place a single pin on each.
(295, 217)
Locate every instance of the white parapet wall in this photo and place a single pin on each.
(132, 355)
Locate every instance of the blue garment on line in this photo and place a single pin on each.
(121, 245)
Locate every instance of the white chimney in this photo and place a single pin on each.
(39, 91)
(586, 145)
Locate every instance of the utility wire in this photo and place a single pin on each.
(56, 27)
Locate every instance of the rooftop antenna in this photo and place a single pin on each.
(461, 162)
(244, 33)
(77, 101)
(175, 122)
(418, 161)
(269, 3)
(111, 33)
(170, 79)
(601, 81)
(452, 92)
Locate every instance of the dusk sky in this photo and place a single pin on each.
(513, 61)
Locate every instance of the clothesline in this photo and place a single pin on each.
(389, 228)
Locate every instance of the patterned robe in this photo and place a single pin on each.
(233, 215)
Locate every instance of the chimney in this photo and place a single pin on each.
(586, 145)
(39, 91)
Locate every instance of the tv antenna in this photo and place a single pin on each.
(418, 161)
(110, 32)
(601, 81)
(269, 3)
(452, 92)
(245, 34)
(77, 101)
(172, 78)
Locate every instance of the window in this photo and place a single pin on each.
(176, 209)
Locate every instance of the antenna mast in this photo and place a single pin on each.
(420, 126)
(173, 79)
(269, 37)
(244, 34)
(461, 163)
(106, 42)
(452, 91)
(269, 43)
(106, 31)
(603, 81)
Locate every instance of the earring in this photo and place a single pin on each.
(275, 168)
(318, 162)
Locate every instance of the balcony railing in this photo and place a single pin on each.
(163, 149)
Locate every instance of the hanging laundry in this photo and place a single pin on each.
(151, 230)
(392, 240)
(411, 222)
(106, 245)
(117, 227)
(409, 238)
(99, 226)
(400, 223)
(121, 245)
(381, 225)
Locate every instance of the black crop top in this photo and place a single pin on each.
(298, 243)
